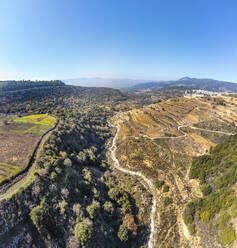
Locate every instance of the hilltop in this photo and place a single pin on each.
(187, 83)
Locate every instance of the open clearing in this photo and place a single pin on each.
(18, 138)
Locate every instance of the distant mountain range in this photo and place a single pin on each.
(117, 83)
(187, 83)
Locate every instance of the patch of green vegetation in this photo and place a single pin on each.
(167, 201)
(123, 233)
(191, 228)
(217, 174)
(158, 184)
(40, 123)
(34, 125)
(233, 210)
(220, 164)
(42, 119)
(206, 189)
(228, 236)
(82, 232)
(166, 188)
(223, 219)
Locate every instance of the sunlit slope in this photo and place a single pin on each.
(160, 140)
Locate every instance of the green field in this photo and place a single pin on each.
(32, 125)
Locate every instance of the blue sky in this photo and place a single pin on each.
(160, 39)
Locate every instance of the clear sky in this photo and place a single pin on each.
(150, 39)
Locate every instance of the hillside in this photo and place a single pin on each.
(159, 141)
(119, 169)
(187, 83)
(72, 196)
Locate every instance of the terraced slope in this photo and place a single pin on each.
(159, 141)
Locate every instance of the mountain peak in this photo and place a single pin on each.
(184, 79)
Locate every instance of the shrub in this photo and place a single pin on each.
(206, 189)
(53, 176)
(38, 215)
(189, 213)
(78, 210)
(108, 207)
(92, 209)
(166, 188)
(87, 175)
(159, 184)
(223, 219)
(82, 232)
(129, 223)
(234, 209)
(123, 233)
(205, 216)
(228, 236)
(62, 205)
(167, 201)
(191, 228)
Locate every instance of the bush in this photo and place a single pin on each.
(62, 205)
(38, 215)
(108, 207)
(223, 219)
(92, 209)
(234, 209)
(123, 233)
(82, 232)
(167, 201)
(206, 189)
(189, 213)
(205, 216)
(159, 184)
(166, 188)
(228, 236)
(191, 228)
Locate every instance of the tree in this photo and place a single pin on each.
(38, 216)
(108, 207)
(92, 209)
(62, 205)
(82, 233)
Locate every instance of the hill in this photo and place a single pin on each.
(187, 83)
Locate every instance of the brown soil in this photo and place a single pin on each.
(16, 149)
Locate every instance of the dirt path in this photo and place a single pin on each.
(19, 183)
